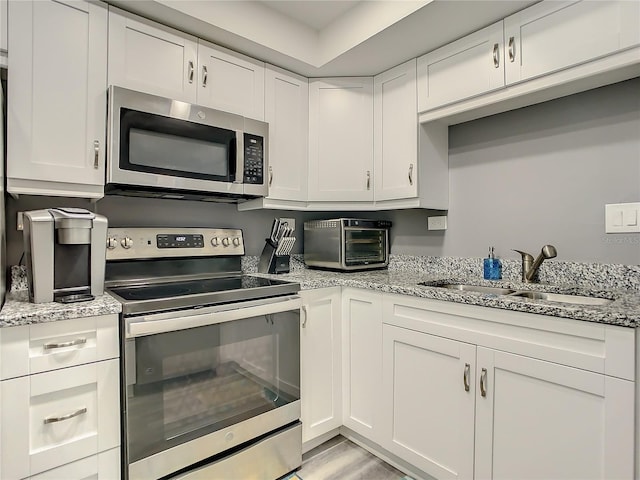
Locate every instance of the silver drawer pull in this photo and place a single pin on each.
(96, 154)
(465, 377)
(368, 180)
(270, 175)
(72, 343)
(483, 382)
(191, 70)
(306, 316)
(205, 74)
(62, 418)
(411, 174)
(496, 57)
(512, 49)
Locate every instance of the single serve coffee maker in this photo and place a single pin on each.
(65, 254)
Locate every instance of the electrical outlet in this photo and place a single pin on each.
(437, 223)
(291, 222)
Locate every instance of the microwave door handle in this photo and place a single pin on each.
(239, 174)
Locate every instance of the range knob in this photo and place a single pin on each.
(215, 241)
(236, 241)
(226, 241)
(126, 242)
(112, 243)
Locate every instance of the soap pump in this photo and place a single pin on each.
(492, 267)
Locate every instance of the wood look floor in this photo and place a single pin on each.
(341, 459)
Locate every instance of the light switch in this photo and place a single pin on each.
(622, 218)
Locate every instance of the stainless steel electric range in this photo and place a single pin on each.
(210, 357)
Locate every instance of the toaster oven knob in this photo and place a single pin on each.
(236, 242)
(215, 241)
(126, 242)
(226, 241)
(112, 243)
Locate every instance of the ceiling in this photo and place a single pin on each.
(332, 37)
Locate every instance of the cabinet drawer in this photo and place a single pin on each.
(48, 346)
(104, 466)
(53, 418)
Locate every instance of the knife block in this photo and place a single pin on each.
(270, 262)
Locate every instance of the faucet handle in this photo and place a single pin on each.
(526, 257)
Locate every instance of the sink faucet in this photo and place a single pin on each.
(530, 266)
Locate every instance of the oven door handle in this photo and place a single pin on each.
(181, 320)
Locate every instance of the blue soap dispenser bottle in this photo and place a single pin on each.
(492, 267)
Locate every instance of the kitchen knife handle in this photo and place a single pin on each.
(512, 49)
(465, 377)
(61, 418)
(496, 55)
(483, 382)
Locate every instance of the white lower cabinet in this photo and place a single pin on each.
(104, 466)
(361, 361)
(474, 392)
(320, 366)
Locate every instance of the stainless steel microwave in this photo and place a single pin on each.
(347, 244)
(167, 148)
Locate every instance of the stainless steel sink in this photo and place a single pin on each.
(562, 298)
(476, 288)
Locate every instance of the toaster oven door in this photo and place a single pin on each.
(365, 246)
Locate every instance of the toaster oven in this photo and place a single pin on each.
(347, 244)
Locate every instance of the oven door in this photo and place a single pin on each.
(159, 143)
(200, 382)
(365, 247)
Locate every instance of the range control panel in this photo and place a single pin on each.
(140, 243)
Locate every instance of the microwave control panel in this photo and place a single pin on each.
(253, 159)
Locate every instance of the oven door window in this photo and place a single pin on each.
(362, 247)
(185, 384)
(170, 146)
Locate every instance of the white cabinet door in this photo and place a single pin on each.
(550, 36)
(320, 369)
(230, 81)
(362, 361)
(429, 397)
(57, 98)
(104, 466)
(536, 419)
(395, 126)
(57, 417)
(465, 68)
(287, 112)
(151, 58)
(341, 139)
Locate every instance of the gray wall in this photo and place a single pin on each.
(520, 179)
(539, 175)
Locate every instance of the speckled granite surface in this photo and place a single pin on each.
(405, 273)
(17, 309)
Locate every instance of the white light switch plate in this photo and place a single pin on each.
(622, 217)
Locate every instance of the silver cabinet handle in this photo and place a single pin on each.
(270, 175)
(77, 341)
(512, 49)
(191, 70)
(483, 382)
(368, 180)
(411, 174)
(204, 75)
(96, 151)
(61, 418)
(465, 377)
(496, 55)
(306, 316)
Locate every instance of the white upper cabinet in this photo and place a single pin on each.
(395, 128)
(151, 58)
(287, 112)
(341, 139)
(230, 81)
(465, 68)
(550, 36)
(57, 100)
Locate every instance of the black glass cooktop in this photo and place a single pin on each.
(184, 294)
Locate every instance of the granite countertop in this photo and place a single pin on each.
(624, 310)
(17, 309)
